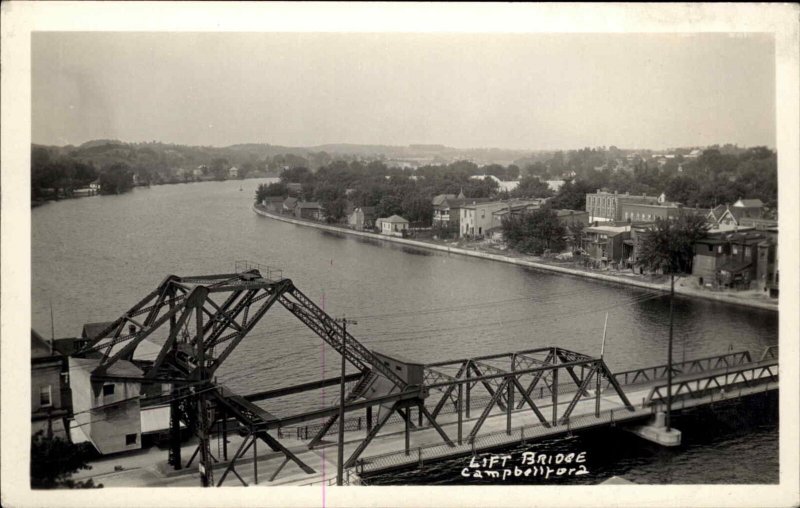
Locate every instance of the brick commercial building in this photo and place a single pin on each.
(647, 212)
(607, 206)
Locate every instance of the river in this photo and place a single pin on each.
(94, 257)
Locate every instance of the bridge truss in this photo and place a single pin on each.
(203, 319)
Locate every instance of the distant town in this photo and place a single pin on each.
(596, 216)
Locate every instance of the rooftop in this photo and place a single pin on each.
(93, 330)
(748, 203)
(608, 229)
(394, 219)
(119, 368)
(309, 205)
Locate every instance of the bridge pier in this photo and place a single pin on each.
(656, 432)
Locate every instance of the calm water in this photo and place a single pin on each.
(94, 258)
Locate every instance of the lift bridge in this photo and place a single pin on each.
(548, 391)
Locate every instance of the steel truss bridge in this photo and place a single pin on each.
(547, 390)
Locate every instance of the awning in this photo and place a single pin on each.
(628, 242)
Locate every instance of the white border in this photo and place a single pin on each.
(20, 18)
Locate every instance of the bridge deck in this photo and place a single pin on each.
(387, 452)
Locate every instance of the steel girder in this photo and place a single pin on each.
(248, 298)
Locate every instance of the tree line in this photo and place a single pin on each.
(719, 175)
(392, 191)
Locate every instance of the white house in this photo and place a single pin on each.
(394, 225)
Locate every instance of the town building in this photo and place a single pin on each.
(394, 225)
(605, 243)
(607, 206)
(759, 224)
(233, 172)
(730, 260)
(294, 188)
(442, 207)
(289, 204)
(476, 219)
(107, 413)
(362, 217)
(310, 210)
(273, 204)
(50, 396)
(568, 217)
(767, 266)
(731, 217)
(648, 212)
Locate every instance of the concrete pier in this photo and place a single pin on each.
(656, 432)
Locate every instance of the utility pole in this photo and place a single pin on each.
(340, 456)
(669, 350)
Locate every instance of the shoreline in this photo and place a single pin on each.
(663, 287)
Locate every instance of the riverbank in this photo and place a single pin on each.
(683, 285)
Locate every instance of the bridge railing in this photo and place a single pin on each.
(699, 365)
(720, 382)
(770, 353)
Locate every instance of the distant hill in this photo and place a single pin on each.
(103, 152)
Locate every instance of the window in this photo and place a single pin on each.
(719, 249)
(710, 248)
(45, 399)
(108, 389)
(397, 367)
(130, 439)
(748, 252)
(735, 250)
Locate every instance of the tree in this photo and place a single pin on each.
(55, 460)
(335, 210)
(534, 232)
(116, 179)
(531, 187)
(669, 247)
(571, 196)
(682, 189)
(575, 233)
(273, 189)
(219, 168)
(389, 205)
(417, 208)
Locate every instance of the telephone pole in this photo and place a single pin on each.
(340, 456)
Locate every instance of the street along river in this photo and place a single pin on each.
(93, 258)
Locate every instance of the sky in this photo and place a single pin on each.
(521, 91)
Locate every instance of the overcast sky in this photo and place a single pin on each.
(537, 91)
